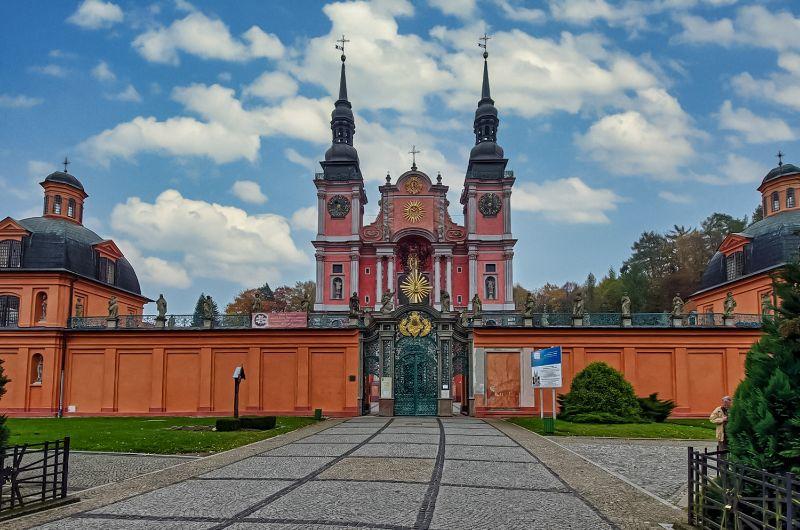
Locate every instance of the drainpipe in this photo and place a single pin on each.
(64, 351)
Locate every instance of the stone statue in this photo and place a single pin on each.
(305, 304)
(113, 308)
(445, 296)
(44, 309)
(387, 234)
(545, 318)
(354, 305)
(208, 308)
(477, 306)
(79, 309)
(765, 304)
(161, 307)
(729, 305)
(257, 304)
(386, 302)
(491, 288)
(337, 288)
(577, 306)
(677, 305)
(440, 232)
(464, 317)
(529, 306)
(626, 305)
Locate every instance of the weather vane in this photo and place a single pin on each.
(66, 162)
(414, 152)
(780, 157)
(483, 45)
(340, 45)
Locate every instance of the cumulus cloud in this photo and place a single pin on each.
(248, 191)
(296, 158)
(155, 271)
(754, 128)
(753, 25)
(567, 200)
(102, 72)
(782, 87)
(212, 240)
(40, 169)
(53, 70)
(19, 101)
(129, 94)
(455, 8)
(305, 219)
(736, 170)
(677, 198)
(207, 38)
(271, 86)
(518, 12)
(96, 14)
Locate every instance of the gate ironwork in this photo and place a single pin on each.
(33, 473)
(416, 367)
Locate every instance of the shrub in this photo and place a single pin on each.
(228, 424)
(655, 409)
(261, 423)
(4, 432)
(601, 392)
(317, 414)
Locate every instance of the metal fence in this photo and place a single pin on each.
(615, 320)
(33, 473)
(727, 495)
(225, 321)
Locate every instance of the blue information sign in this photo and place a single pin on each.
(546, 367)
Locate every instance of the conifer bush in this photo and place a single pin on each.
(764, 421)
(600, 394)
(4, 431)
(655, 409)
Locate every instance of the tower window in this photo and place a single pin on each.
(491, 267)
(459, 299)
(338, 268)
(9, 311)
(57, 205)
(764, 206)
(366, 271)
(366, 299)
(71, 207)
(10, 254)
(790, 198)
(459, 270)
(46, 202)
(106, 271)
(776, 201)
(734, 265)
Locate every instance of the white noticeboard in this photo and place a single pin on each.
(546, 368)
(386, 387)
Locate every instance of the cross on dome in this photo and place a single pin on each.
(414, 152)
(66, 162)
(780, 156)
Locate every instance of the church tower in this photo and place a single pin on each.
(486, 200)
(340, 208)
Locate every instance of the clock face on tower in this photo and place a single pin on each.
(339, 206)
(489, 204)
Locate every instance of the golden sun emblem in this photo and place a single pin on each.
(413, 185)
(413, 211)
(415, 286)
(415, 325)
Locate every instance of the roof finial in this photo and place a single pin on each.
(414, 152)
(780, 158)
(340, 46)
(485, 40)
(66, 162)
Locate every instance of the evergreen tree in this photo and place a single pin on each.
(589, 297)
(266, 292)
(197, 317)
(4, 433)
(764, 421)
(758, 214)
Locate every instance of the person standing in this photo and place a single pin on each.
(719, 417)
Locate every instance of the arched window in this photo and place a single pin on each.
(790, 198)
(37, 368)
(57, 204)
(9, 311)
(106, 270)
(337, 289)
(491, 288)
(776, 201)
(71, 207)
(10, 254)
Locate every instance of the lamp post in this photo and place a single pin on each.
(238, 375)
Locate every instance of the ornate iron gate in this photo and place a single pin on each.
(416, 367)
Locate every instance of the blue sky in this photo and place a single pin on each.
(196, 127)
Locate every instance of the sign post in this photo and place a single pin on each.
(546, 373)
(238, 375)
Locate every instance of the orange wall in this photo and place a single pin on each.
(185, 372)
(746, 292)
(694, 367)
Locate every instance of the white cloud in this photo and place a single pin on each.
(225, 77)
(782, 88)
(207, 38)
(52, 70)
(248, 191)
(754, 128)
(736, 170)
(129, 94)
(568, 200)
(305, 219)
(455, 8)
(676, 198)
(102, 72)
(40, 169)
(753, 25)
(213, 240)
(96, 14)
(296, 158)
(517, 12)
(19, 101)
(155, 271)
(652, 138)
(272, 86)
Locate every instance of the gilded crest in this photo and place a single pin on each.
(413, 211)
(413, 185)
(415, 324)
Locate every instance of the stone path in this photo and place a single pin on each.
(400, 473)
(92, 469)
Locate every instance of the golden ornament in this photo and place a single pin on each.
(415, 286)
(413, 211)
(415, 325)
(413, 185)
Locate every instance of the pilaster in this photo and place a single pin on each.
(157, 380)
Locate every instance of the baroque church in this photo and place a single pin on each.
(414, 313)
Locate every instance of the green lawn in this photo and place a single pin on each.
(142, 434)
(679, 429)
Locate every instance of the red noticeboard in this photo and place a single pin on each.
(296, 319)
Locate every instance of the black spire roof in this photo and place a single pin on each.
(341, 159)
(779, 171)
(486, 160)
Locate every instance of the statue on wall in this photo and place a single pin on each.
(354, 305)
(258, 305)
(765, 304)
(208, 308)
(578, 309)
(677, 305)
(161, 307)
(305, 304)
(113, 308)
(337, 289)
(545, 317)
(464, 317)
(477, 306)
(79, 308)
(729, 305)
(386, 302)
(43, 309)
(626, 305)
(530, 304)
(491, 288)
(445, 296)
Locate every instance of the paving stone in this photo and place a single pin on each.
(336, 438)
(500, 474)
(412, 430)
(198, 498)
(85, 523)
(460, 439)
(271, 467)
(350, 502)
(88, 470)
(301, 449)
(350, 430)
(496, 454)
(402, 469)
(398, 450)
(448, 431)
(298, 525)
(406, 438)
(493, 508)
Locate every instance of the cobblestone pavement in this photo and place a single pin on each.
(90, 469)
(399, 473)
(659, 466)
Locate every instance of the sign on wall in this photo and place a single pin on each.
(546, 367)
(297, 319)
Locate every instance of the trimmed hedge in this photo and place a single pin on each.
(260, 423)
(228, 424)
(600, 394)
(317, 414)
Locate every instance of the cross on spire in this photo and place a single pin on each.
(780, 157)
(414, 152)
(66, 162)
(340, 45)
(484, 45)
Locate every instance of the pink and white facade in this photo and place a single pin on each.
(370, 257)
